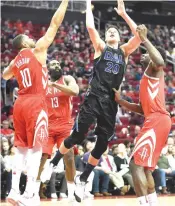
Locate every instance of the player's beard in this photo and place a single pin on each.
(56, 74)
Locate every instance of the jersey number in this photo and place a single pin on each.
(26, 78)
(112, 68)
(54, 101)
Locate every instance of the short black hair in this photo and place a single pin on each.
(162, 52)
(111, 26)
(17, 42)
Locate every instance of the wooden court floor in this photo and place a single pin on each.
(113, 201)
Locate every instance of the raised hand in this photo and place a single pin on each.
(142, 31)
(121, 8)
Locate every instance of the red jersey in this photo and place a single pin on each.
(31, 76)
(152, 95)
(59, 104)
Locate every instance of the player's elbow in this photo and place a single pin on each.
(75, 92)
(5, 76)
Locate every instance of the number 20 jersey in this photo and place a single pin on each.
(31, 76)
(108, 72)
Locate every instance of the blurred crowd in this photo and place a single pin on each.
(73, 48)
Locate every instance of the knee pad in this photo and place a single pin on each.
(100, 147)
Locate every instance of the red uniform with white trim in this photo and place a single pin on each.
(30, 108)
(154, 133)
(60, 120)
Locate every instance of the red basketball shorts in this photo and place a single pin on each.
(30, 121)
(151, 140)
(58, 132)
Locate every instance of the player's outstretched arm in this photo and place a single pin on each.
(135, 41)
(130, 106)
(70, 89)
(57, 19)
(8, 73)
(97, 42)
(122, 12)
(156, 58)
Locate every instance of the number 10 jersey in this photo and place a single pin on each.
(31, 76)
(30, 108)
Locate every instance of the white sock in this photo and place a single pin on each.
(71, 189)
(152, 199)
(143, 201)
(38, 183)
(18, 162)
(33, 163)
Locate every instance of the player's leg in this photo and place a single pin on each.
(39, 184)
(70, 172)
(83, 121)
(104, 131)
(47, 148)
(152, 196)
(37, 132)
(140, 183)
(20, 153)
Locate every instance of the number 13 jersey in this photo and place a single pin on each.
(31, 76)
(108, 72)
(59, 105)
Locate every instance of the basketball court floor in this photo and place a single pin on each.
(113, 201)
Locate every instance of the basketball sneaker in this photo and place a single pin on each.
(47, 173)
(13, 197)
(25, 200)
(88, 195)
(72, 201)
(79, 188)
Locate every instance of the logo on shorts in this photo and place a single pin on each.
(144, 153)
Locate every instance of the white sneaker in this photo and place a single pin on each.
(72, 201)
(54, 196)
(88, 195)
(46, 173)
(79, 188)
(63, 195)
(24, 200)
(13, 197)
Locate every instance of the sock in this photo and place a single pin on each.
(18, 162)
(38, 183)
(143, 201)
(71, 189)
(57, 158)
(152, 199)
(88, 169)
(33, 162)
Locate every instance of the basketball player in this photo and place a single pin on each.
(153, 136)
(58, 98)
(30, 109)
(109, 67)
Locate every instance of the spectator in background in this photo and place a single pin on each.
(5, 147)
(138, 74)
(171, 156)
(109, 165)
(121, 161)
(6, 131)
(58, 173)
(114, 150)
(8, 164)
(163, 170)
(128, 147)
(80, 150)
